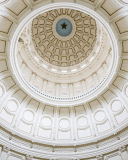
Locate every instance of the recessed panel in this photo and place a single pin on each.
(33, 104)
(111, 9)
(12, 106)
(84, 133)
(116, 106)
(125, 46)
(46, 122)
(44, 133)
(120, 82)
(64, 135)
(16, 6)
(3, 65)
(6, 117)
(8, 82)
(122, 24)
(1, 92)
(103, 127)
(20, 95)
(100, 116)
(109, 95)
(124, 66)
(49, 110)
(95, 105)
(25, 127)
(79, 110)
(82, 121)
(2, 46)
(5, 24)
(64, 123)
(28, 116)
(122, 116)
(64, 111)
(127, 91)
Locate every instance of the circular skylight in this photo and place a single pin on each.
(64, 27)
(62, 39)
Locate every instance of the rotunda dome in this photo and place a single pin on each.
(63, 80)
(64, 37)
(62, 67)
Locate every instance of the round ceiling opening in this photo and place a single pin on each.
(64, 54)
(64, 27)
(63, 37)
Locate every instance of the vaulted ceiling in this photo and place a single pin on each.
(51, 114)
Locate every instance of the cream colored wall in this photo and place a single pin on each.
(85, 79)
(72, 89)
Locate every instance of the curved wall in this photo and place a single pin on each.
(69, 84)
(96, 129)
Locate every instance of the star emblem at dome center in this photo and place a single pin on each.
(64, 25)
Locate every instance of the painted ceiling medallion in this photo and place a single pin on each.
(64, 37)
(64, 27)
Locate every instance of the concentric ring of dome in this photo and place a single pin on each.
(97, 64)
(59, 50)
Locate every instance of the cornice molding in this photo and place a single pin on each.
(122, 2)
(60, 151)
(5, 2)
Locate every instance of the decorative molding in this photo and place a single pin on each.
(123, 149)
(100, 157)
(5, 149)
(29, 157)
(5, 2)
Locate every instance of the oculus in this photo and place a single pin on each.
(63, 37)
(64, 27)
